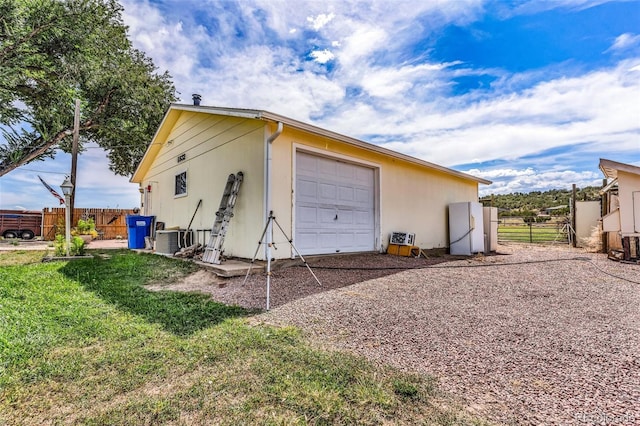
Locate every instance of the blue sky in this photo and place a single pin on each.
(528, 94)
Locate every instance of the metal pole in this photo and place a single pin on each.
(67, 223)
(269, 243)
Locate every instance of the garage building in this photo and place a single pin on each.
(331, 193)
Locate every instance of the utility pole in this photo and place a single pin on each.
(74, 155)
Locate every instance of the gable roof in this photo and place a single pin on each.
(610, 168)
(175, 110)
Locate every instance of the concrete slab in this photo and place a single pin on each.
(233, 267)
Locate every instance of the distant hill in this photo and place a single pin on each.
(537, 200)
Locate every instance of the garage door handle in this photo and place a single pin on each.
(336, 218)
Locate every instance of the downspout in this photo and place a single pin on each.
(270, 140)
(269, 209)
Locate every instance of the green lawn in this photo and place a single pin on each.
(83, 342)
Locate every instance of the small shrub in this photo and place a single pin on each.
(76, 248)
(59, 245)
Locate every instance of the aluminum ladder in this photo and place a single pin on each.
(213, 250)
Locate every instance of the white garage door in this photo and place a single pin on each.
(334, 206)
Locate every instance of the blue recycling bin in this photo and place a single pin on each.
(138, 227)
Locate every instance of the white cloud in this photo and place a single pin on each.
(625, 41)
(501, 173)
(320, 21)
(536, 6)
(322, 56)
(165, 41)
(598, 109)
(361, 43)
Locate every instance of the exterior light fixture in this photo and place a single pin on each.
(67, 190)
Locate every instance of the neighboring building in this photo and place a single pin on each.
(330, 193)
(622, 202)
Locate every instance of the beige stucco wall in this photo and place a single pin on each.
(412, 198)
(628, 183)
(214, 146)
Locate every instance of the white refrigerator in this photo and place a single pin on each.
(466, 228)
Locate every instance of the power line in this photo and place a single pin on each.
(42, 171)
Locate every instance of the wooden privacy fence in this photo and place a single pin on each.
(110, 223)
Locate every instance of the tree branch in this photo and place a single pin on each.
(55, 140)
(4, 52)
(36, 152)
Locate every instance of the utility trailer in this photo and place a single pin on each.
(20, 224)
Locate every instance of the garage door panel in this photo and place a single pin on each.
(363, 196)
(334, 205)
(362, 217)
(326, 167)
(306, 241)
(362, 240)
(345, 241)
(345, 217)
(307, 189)
(364, 176)
(327, 193)
(326, 216)
(347, 171)
(307, 165)
(307, 215)
(346, 194)
(327, 240)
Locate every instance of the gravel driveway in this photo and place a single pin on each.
(539, 335)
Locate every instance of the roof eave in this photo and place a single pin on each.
(610, 168)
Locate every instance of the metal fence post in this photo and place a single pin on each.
(530, 232)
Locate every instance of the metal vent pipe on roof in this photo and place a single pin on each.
(196, 99)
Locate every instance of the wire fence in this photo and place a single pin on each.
(535, 230)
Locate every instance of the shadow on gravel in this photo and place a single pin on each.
(290, 280)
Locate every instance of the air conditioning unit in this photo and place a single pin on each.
(402, 238)
(170, 241)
